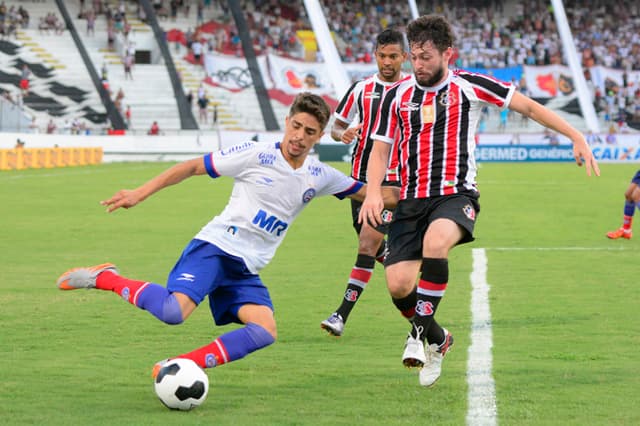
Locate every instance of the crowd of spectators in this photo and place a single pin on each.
(51, 23)
(11, 19)
(607, 32)
(490, 33)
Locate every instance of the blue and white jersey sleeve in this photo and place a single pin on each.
(268, 194)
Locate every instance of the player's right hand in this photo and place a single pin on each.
(124, 198)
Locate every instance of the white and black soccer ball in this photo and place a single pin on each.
(181, 384)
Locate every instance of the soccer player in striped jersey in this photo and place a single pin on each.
(632, 200)
(437, 115)
(273, 182)
(354, 119)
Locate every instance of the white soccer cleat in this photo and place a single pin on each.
(334, 325)
(432, 369)
(414, 355)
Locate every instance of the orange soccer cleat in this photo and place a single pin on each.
(83, 277)
(619, 233)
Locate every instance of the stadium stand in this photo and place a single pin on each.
(45, 52)
(118, 32)
(493, 35)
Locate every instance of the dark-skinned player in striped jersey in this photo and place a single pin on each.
(354, 120)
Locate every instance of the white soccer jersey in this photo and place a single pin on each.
(268, 194)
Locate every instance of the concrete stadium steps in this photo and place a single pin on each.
(236, 111)
(150, 93)
(56, 88)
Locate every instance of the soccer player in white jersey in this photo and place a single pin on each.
(437, 114)
(273, 182)
(354, 120)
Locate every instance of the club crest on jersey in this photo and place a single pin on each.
(447, 98)
(469, 212)
(308, 195)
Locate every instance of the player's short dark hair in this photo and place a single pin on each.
(390, 36)
(311, 104)
(433, 28)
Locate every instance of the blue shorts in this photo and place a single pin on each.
(204, 269)
(636, 178)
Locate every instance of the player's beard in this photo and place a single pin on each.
(435, 79)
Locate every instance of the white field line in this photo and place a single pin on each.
(482, 409)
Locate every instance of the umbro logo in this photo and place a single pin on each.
(186, 277)
(409, 106)
(264, 180)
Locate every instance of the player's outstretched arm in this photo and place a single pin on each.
(532, 109)
(127, 198)
(389, 194)
(373, 203)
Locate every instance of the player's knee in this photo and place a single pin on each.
(400, 288)
(260, 335)
(171, 311)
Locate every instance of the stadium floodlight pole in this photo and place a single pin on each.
(584, 96)
(414, 9)
(337, 73)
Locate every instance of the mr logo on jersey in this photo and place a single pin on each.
(269, 223)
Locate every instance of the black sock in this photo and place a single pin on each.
(431, 288)
(359, 278)
(407, 305)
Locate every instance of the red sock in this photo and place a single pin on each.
(126, 288)
(211, 355)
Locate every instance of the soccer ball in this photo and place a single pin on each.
(181, 384)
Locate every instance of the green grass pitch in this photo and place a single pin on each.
(563, 299)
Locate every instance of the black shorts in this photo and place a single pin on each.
(387, 217)
(413, 217)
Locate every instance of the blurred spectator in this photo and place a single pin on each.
(127, 116)
(154, 130)
(51, 127)
(127, 62)
(593, 138)
(90, 16)
(33, 126)
(551, 137)
(611, 138)
(203, 103)
(24, 79)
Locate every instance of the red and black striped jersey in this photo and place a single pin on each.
(362, 102)
(436, 147)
